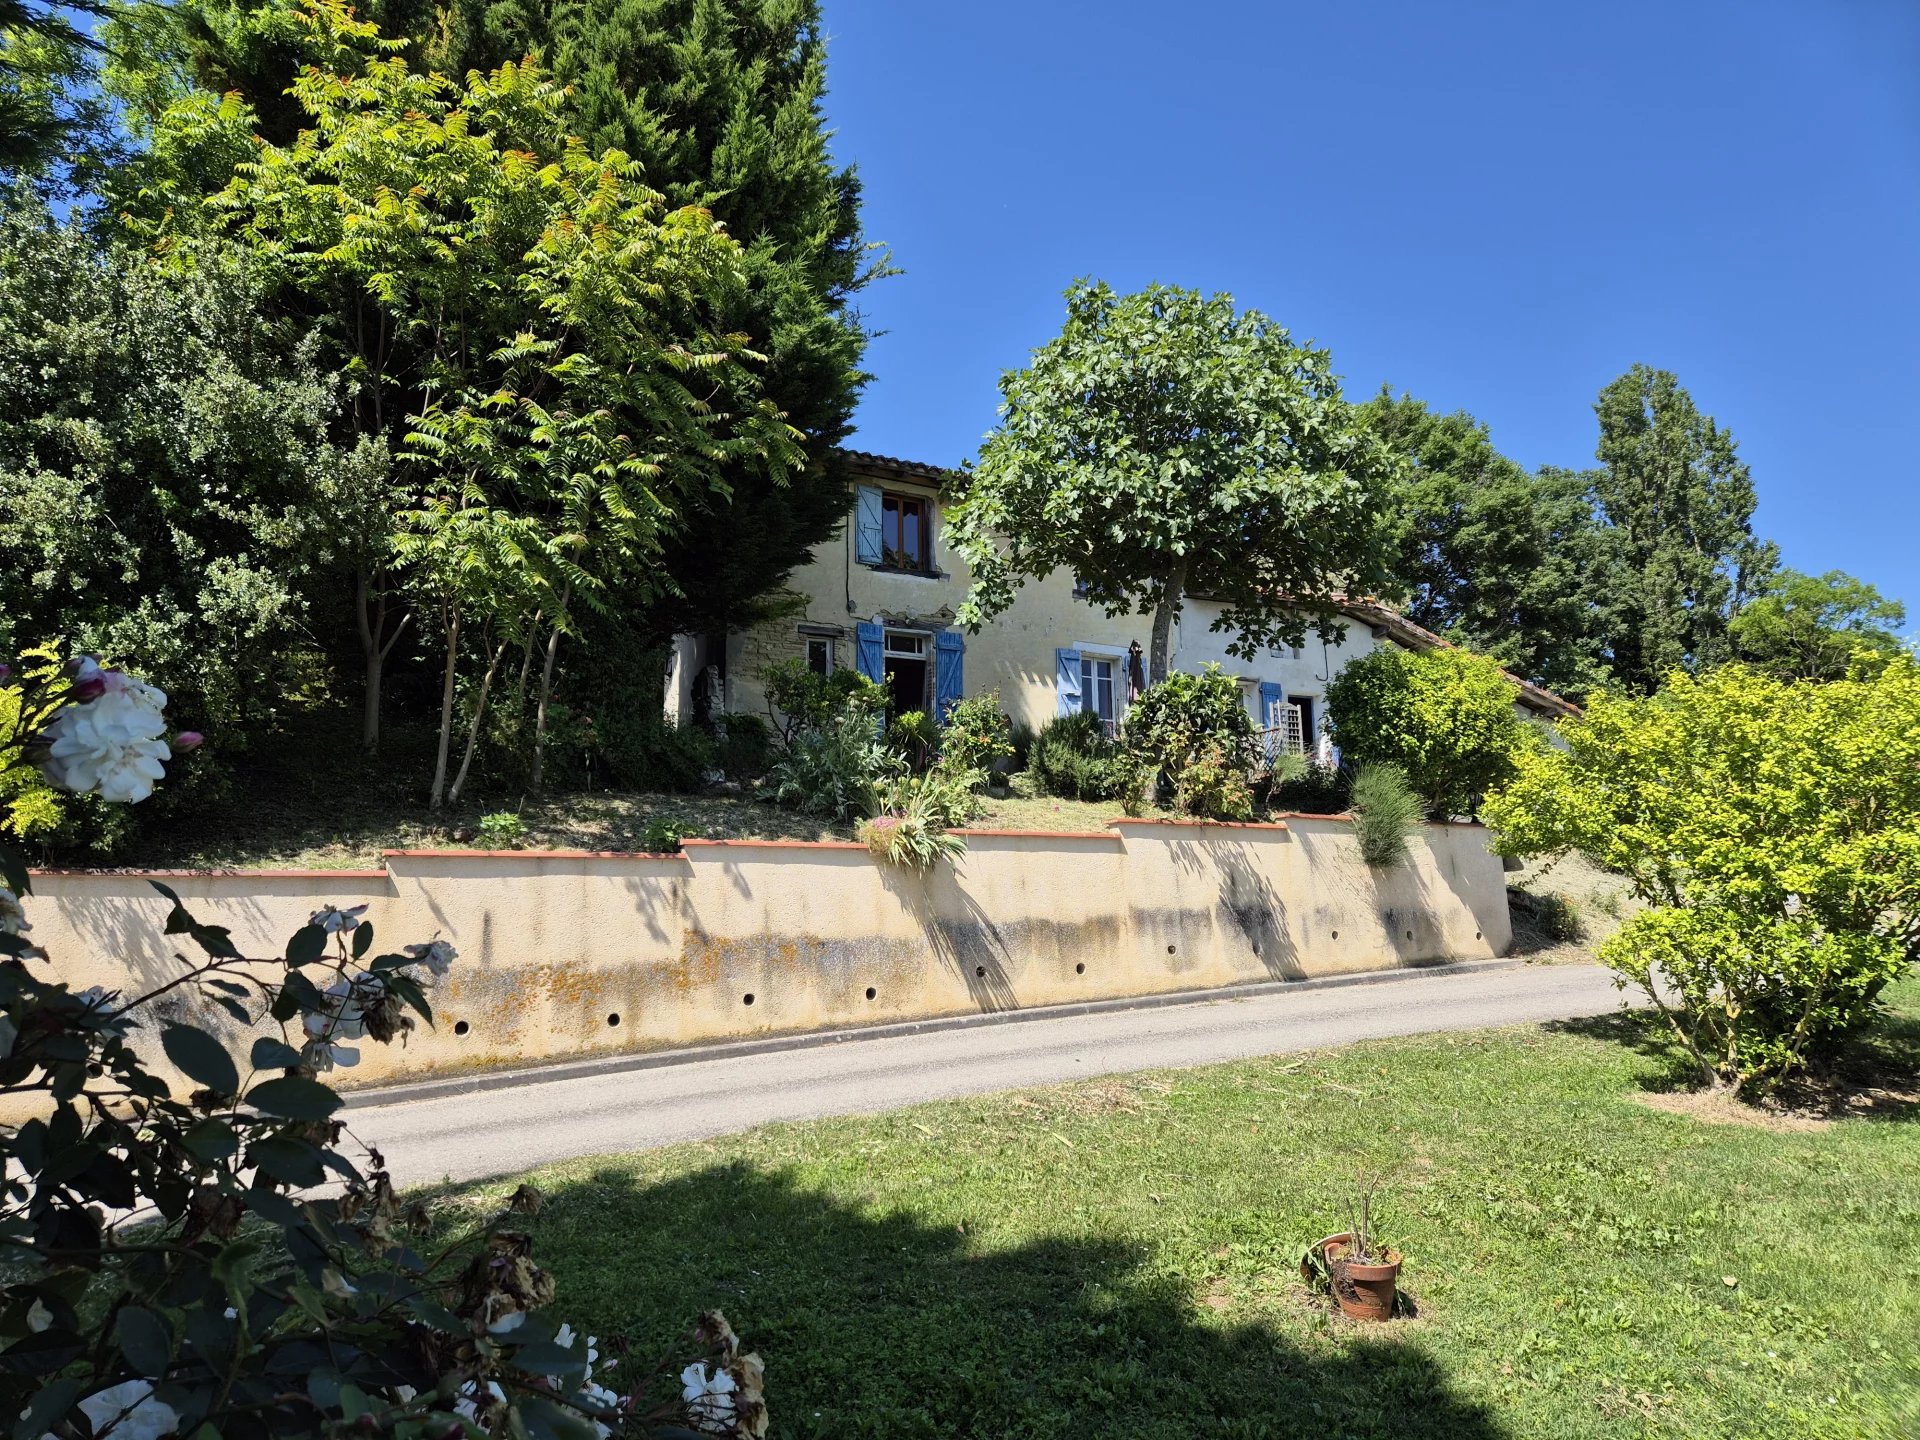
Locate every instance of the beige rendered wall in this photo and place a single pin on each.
(566, 954)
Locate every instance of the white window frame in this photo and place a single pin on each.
(826, 643)
(918, 651)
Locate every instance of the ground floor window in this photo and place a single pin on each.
(820, 654)
(1096, 686)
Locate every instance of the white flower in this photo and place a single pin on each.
(337, 1285)
(564, 1339)
(437, 955)
(332, 919)
(323, 1056)
(342, 1020)
(38, 1317)
(111, 744)
(130, 1411)
(467, 1407)
(1793, 905)
(709, 1399)
(13, 915)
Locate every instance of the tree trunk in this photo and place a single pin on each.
(1171, 589)
(370, 616)
(473, 726)
(446, 709)
(546, 691)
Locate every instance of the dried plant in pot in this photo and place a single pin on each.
(1361, 1271)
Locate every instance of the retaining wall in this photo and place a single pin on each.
(570, 953)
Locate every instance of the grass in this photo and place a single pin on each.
(1117, 1258)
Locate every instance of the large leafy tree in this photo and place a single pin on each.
(54, 122)
(1673, 486)
(1814, 627)
(1167, 444)
(169, 484)
(531, 328)
(718, 103)
(1516, 565)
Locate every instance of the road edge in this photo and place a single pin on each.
(406, 1091)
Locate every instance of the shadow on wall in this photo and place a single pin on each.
(1249, 903)
(880, 1324)
(972, 946)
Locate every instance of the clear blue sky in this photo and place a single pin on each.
(1498, 207)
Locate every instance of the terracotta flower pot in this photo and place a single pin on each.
(1364, 1292)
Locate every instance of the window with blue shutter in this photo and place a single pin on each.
(1066, 664)
(1270, 697)
(866, 526)
(868, 651)
(948, 671)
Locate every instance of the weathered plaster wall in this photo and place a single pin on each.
(567, 953)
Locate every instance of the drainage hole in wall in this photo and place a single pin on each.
(747, 999)
(1169, 949)
(871, 992)
(1336, 934)
(614, 1018)
(1080, 969)
(981, 971)
(1409, 934)
(460, 1027)
(1477, 935)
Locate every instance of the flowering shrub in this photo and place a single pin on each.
(214, 1263)
(977, 732)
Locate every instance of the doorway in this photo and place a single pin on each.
(905, 672)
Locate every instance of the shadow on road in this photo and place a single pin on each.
(879, 1324)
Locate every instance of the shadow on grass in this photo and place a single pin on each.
(879, 1323)
(1875, 1073)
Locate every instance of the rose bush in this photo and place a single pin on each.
(213, 1263)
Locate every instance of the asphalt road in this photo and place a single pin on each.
(532, 1119)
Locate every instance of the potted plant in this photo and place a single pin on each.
(1361, 1271)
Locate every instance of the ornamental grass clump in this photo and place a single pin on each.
(1773, 830)
(208, 1259)
(1386, 813)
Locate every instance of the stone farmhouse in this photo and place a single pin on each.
(882, 595)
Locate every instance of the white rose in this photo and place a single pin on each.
(111, 744)
(128, 1411)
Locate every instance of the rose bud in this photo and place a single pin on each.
(188, 740)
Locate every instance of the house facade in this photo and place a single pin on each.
(881, 598)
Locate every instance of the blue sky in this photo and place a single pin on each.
(1498, 207)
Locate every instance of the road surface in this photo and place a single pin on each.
(435, 1132)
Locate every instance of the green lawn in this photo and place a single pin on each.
(1116, 1258)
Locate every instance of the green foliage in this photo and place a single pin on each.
(719, 105)
(914, 737)
(799, 700)
(1681, 504)
(1445, 716)
(1166, 444)
(168, 487)
(502, 830)
(914, 812)
(1314, 789)
(56, 127)
(743, 746)
(1774, 827)
(1815, 627)
(662, 835)
(831, 770)
(532, 330)
(1386, 812)
(1074, 757)
(1515, 565)
(977, 733)
(1192, 731)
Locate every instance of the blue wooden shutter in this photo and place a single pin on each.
(866, 526)
(948, 670)
(1270, 696)
(868, 651)
(1067, 670)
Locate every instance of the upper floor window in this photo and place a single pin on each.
(894, 529)
(903, 531)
